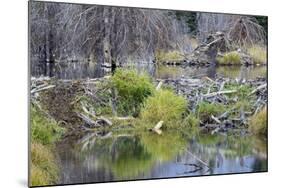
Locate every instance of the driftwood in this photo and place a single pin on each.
(157, 128)
(41, 88)
(103, 120)
(122, 118)
(99, 122)
(215, 119)
(91, 123)
(258, 88)
(159, 85)
(219, 93)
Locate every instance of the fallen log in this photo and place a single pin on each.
(157, 127)
(122, 118)
(35, 90)
(216, 119)
(104, 121)
(258, 88)
(159, 85)
(91, 123)
(219, 93)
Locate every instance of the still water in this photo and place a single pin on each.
(80, 70)
(240, 72)
(126, 156)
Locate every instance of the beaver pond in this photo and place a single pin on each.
(115, 155)
(119, 156)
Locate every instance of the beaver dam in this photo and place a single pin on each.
(127, 93)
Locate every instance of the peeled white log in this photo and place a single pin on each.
(258, 88)
(35, 90)
(219, 93)
(216, 119)
(122, 118)
(159, 85)
(158, 127)
(88, 120)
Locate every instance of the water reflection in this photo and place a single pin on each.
(68, 69)
(87, 69)
(240, 72)
(119, 156)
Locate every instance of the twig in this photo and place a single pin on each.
(198, 159)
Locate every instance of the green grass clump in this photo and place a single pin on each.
(242, 90)
(258, 54)
(44, 132)
(258, 122)
(44, 129)
(163, 105)
(205, 110)
(229, 58)
(168, 56)
(44, 170)
(191, 121)
(132, 89)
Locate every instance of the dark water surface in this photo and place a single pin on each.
(128, 156)
(240, 72)
(80, 70)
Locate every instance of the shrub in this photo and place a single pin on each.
(164, 105)
(44, 170)
(168, 56)
(229, 58)
(132, 89)
(205, 110)
(258, 122)
(258, 54)
(44, 129)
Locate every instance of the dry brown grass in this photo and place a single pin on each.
(44, 170)
(258, 53)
